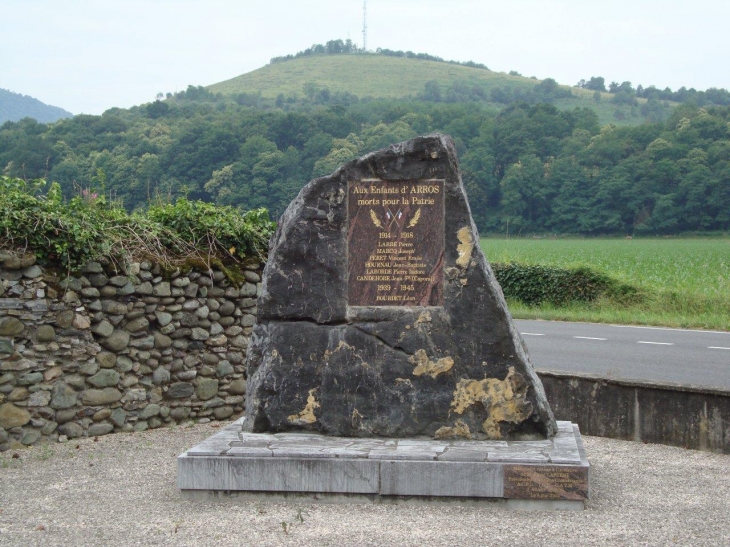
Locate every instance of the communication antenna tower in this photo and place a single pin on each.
(365, 25)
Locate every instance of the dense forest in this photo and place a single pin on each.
(528, 168)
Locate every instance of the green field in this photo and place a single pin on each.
(379, 76)
(686, 281)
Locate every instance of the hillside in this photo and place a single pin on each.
(379, 76)
(14, 107)
(374, 76)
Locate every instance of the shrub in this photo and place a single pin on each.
(87, 227)
(534, 284)
(206, 226)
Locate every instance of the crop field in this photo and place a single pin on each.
(686, 282)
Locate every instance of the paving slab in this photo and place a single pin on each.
(552, 473)
(463, 454)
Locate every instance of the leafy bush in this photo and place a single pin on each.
(207, 226)
(534, 284)
(87, 227)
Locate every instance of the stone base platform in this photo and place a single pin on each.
(544, 474)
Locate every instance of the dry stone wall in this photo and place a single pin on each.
(106, 351)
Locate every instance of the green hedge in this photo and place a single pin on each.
(535, 284)
(87, 227)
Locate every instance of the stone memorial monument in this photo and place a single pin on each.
(384, 362)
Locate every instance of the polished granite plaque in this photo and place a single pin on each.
(395, 242)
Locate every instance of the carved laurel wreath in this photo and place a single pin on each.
(415, 219)
(375, 219)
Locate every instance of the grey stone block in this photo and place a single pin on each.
(414, 455)
(300, 452)
(278, 474)
(97, 430)
(250, 451)
(247, 440)
(563, 459)
(345, 453)
(517, 457)
(464, 479)
(208, 449)
(463, 455)
(11, 303)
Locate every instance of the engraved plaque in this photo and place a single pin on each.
(395, 242)
(547, 482)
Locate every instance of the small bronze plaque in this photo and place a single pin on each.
(545, 482)
(395, 242)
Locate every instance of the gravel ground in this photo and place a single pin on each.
(120, 490)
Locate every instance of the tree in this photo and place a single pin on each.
(548, 90)
(624, 97)
(334, 47)
(149, 172)
(665, 216)
(525, 197)
(432, 91)
(596, 83)
(343, 150)
(571, 207)
(221, 183)
(157, 109)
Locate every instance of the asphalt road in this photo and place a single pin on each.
(630, 353)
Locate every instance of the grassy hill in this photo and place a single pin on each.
(375, 76)
(15, 107)
(380, 76)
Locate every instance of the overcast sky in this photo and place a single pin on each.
(91, 55)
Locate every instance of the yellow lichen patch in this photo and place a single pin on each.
(425, 366)
(423, 323)
(340, 346)
(465, 247)
(424, 317)
(460, 430)
(504, 400)
(356, 418)
(306, 416)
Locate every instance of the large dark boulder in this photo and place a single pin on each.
(348, 346)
